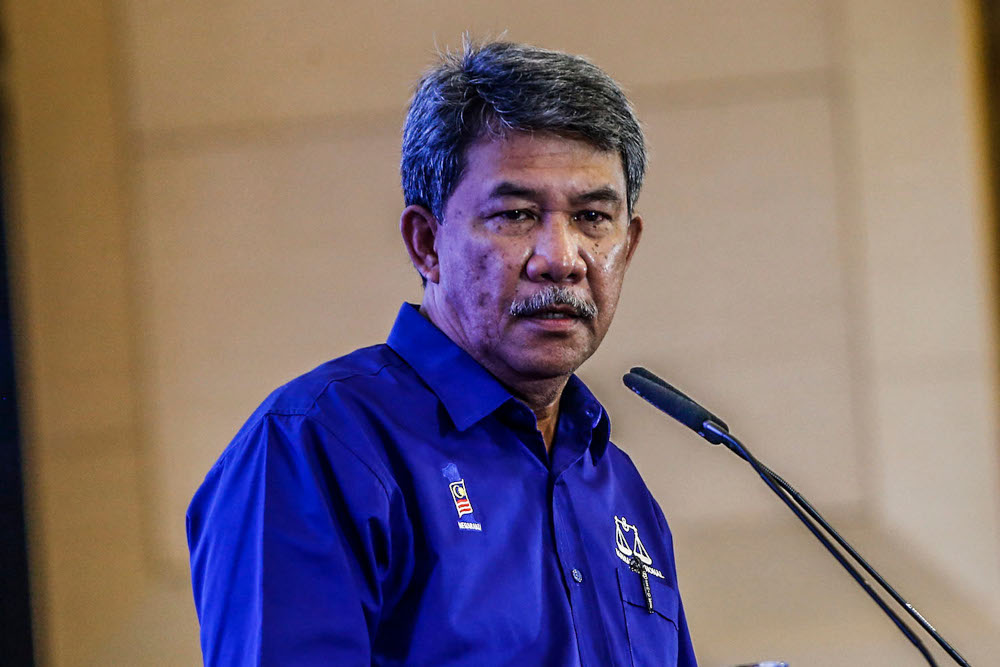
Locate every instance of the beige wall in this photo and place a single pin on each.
(206, 204)
(74, 322)
(932, 311)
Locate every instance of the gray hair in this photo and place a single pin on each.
(498, 87)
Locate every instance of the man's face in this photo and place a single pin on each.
(532, 213)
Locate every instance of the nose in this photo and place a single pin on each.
(556, 257)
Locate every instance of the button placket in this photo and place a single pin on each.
(563, 545)
(591, 634)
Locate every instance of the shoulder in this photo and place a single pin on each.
(370, 373)
(319, 413)
(300, 396)
(623, 465)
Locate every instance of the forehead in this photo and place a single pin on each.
(543, 161)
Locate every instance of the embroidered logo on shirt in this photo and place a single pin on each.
(635, 554)
(637, 558)
(460, 496)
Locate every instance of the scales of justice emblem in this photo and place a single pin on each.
(636, 556)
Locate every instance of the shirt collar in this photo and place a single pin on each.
(578, 402)
(467, 390)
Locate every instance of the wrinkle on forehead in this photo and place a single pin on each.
(547, 152)
(563, 171)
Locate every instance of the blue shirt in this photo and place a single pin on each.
(398, 506)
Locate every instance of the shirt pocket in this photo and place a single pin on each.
(652, 637)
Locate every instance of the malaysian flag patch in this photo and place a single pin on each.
(461, 498)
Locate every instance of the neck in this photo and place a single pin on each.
(543, 397)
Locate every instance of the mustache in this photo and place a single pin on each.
(554, 296)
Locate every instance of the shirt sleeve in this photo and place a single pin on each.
(294, 554)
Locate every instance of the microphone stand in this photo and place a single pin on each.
(844, 544)
(681, 407)
(792, 502)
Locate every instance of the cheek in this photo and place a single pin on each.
(607, 272)
(464, 261)
(614, 258)
(484, 269)
(607, 263)
(500, 265)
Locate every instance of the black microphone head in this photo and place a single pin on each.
(673, 403)
(650, 375)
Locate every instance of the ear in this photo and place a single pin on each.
(419, 228)
(634, 233)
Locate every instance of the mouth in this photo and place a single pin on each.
(557, 320)
(555, 313)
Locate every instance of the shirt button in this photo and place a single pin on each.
(577, 576)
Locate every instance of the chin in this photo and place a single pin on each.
(542, 366)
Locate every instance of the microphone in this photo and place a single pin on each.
(674, 403)
(682, 408)
(649, 375)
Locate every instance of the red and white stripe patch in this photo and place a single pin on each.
(461, 497)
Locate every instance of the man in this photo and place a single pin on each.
(451, 497)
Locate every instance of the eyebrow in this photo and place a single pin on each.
(602, 194)
(509, 189)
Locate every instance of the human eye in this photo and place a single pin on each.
(594, 221)
(512, 221)
(514, 215)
